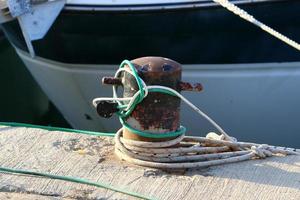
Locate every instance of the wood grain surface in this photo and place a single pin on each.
(92, 158)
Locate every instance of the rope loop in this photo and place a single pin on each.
(180, 151)
(143, 90)
(190, 152)
(140, 95)
(261, 151)
(126, 109)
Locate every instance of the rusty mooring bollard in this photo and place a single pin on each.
(158, 112)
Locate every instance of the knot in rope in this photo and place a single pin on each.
(191, 152)
(261, 151)
(138, 97)
(127, 104)
(181, 151)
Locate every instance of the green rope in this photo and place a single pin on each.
(66, 178)
(176, 133)
(124, 114)
(51, 128)
(73, 179)
(140, 86)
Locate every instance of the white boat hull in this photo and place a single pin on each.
(250, 101)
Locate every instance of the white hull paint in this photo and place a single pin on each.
(118, 5)
(250, 101)
(129, 2)
(148, 2)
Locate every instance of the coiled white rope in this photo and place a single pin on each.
(243, 14)
(192, 152)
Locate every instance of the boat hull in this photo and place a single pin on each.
(21, 98)
(251, 101)
(189, 36)
(252, 96)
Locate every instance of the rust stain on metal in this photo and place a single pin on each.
(157, 112)
(186, 86)
(111, 81)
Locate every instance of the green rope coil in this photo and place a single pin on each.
(176, 133)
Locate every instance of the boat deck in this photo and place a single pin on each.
(93, 158)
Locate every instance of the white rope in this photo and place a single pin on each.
(191, 152)
(243, 14)
(115, 97)
(187, 151)
(202, 152)
(195, 108)
(146, 88)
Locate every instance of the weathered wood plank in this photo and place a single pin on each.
(92, 158)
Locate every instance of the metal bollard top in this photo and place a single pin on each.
(156, 67)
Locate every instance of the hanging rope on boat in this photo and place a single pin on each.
(243, 14)
(183, 151)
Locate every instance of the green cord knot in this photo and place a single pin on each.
(141, 95)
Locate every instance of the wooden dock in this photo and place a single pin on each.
(92, 158)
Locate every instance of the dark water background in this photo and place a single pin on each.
(21, 99)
